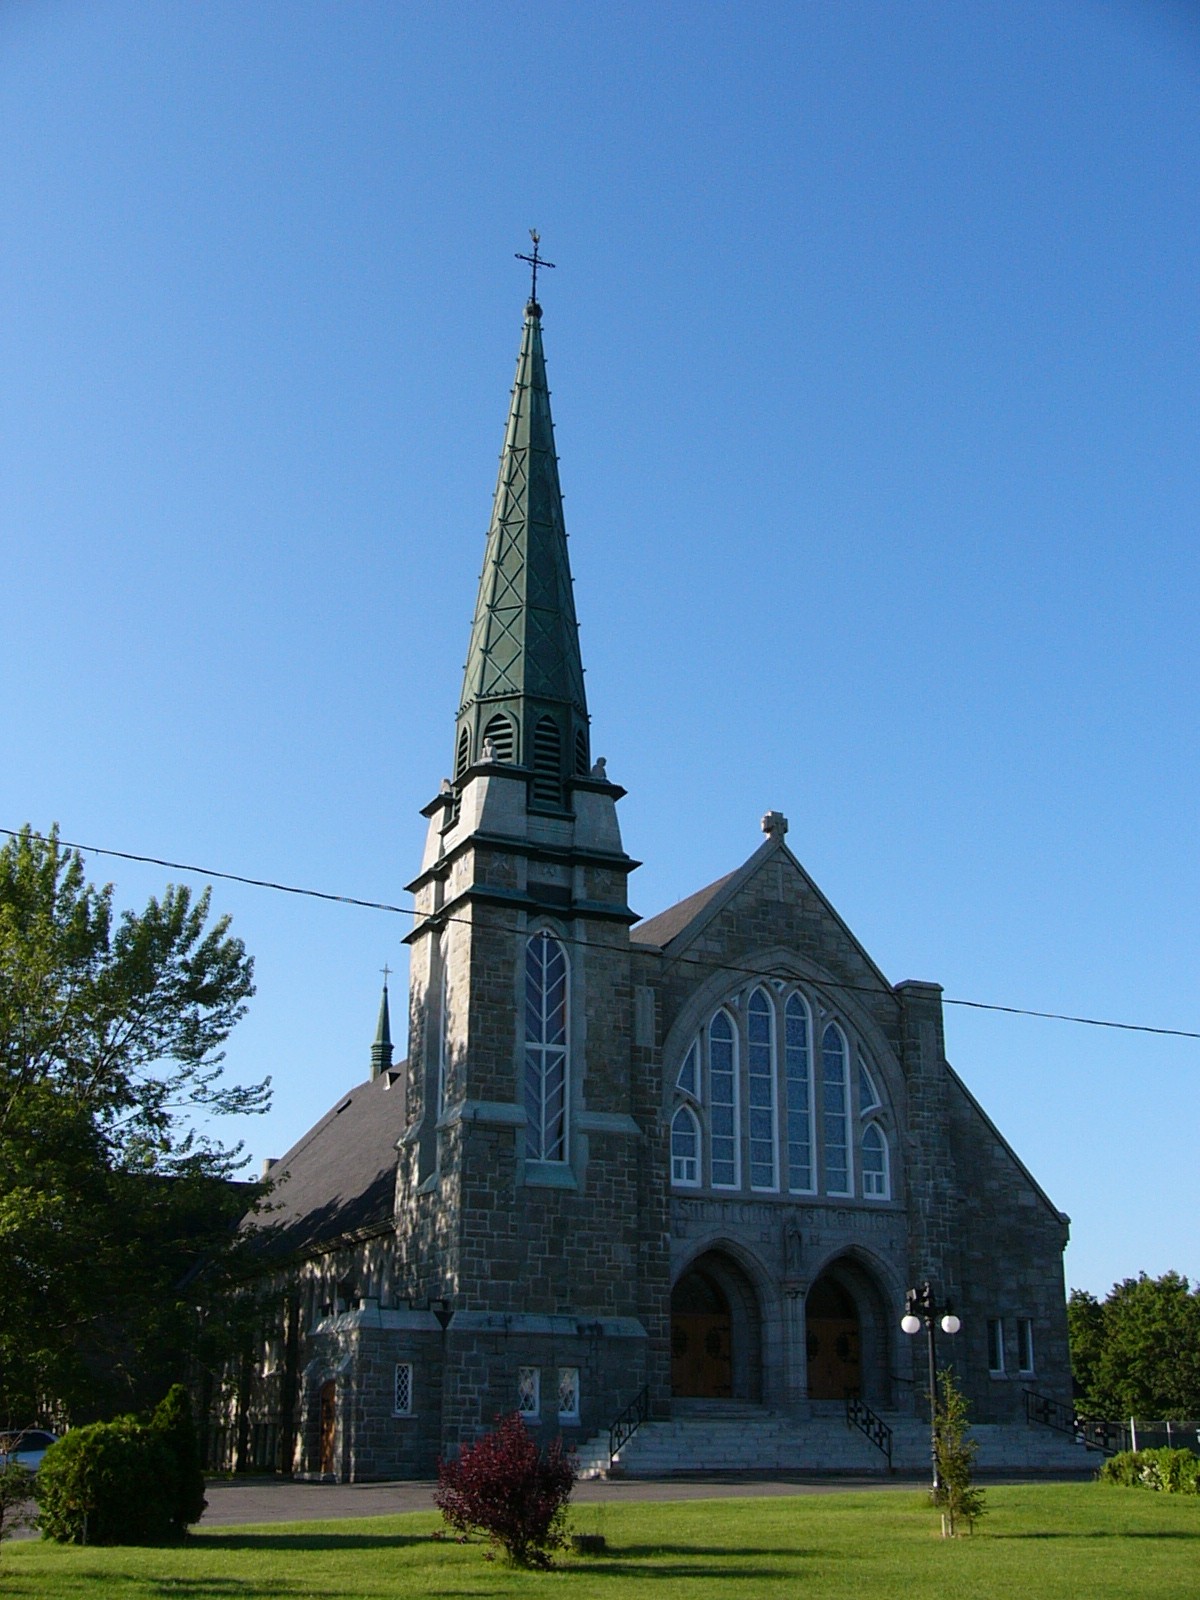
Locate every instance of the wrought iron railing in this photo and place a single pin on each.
(627, 1424)
(859, 1415)
(1107, 1437)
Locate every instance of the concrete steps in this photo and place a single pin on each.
(731, 1437)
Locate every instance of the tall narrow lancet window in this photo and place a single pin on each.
(760, 1064)
(547, 762)
(835, 1090)
(443, 1021)
(545, 1049)
(685, 1148)
(798, 1072)
(500, 731)
(874, 1163)
(723, 1101)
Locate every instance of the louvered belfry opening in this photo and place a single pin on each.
(547, 788)
(502, 734)
(581, 754)
(462, 759)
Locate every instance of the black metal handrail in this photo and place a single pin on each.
(1107, 1437)
(630, 1420)
(859, 1415)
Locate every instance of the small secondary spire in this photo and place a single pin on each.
(381, 1050)
(535, 261)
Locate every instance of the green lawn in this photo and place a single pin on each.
(1038, 1542)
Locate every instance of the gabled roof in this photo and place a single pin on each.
(340, 1177)
(668, 924)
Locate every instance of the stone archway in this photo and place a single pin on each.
(848, 1335)
(716, 1332)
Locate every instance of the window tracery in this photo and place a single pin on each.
(545, 1049)
(815, 1120)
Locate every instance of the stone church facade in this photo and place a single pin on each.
(700, 1157)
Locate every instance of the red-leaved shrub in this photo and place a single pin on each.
(505, 1487)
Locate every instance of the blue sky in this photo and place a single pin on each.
(873, 348)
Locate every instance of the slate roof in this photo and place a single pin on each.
(660, 930)
(340, 1177)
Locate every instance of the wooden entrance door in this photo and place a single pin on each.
(328, 1425)
(834, 1354)
(701, 1340)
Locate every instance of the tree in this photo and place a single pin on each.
(1138, 1352)
(111, 1028)
(507, 1488)
(959, 1498)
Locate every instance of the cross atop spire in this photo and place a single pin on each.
(535, 261)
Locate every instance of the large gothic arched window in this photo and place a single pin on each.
(545, 1049)
(798, 1072)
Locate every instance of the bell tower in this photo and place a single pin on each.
(531, 1191)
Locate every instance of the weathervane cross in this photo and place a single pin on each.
(535, 261)
(387, 972)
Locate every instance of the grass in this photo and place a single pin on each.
(1038, 1542)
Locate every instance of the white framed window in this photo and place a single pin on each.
(529, 1392)
(546, 975)
(760, 1076)
(685, 1148)
(835, 1120)
(875, 1185)
(1025, 1346)
(402, 1392)
(798, 1074)
(688, 1081)
(723, 1102)
(995, 1345)
(568, 1394)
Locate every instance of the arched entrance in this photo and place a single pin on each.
(716, 1332)
(834, 1341)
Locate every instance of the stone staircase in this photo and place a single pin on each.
(729, 1436)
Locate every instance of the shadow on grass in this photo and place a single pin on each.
(1106, 1533)
(311, 1541)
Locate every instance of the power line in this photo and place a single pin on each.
(694, 961)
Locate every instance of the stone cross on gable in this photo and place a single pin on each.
(774, 825)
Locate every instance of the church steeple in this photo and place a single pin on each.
(381, 1050)
(523, 684)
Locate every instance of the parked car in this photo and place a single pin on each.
(27, 1446)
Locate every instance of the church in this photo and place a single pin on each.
(636, 1172)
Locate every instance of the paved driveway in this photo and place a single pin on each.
(274, 1500)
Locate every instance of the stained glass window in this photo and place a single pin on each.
(798, 1071)
(760, 1061)
(568, 1394)
(835, 1109)
(723, 1098)
(685, 1148)
(545, 1049)
(874, 1163)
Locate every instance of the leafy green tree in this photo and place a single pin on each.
(958, 1497)
(111, 1200)
(1137, 1353)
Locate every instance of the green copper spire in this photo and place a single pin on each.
(523, 684)
(381, 1050)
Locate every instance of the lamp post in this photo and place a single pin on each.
(921, 1310)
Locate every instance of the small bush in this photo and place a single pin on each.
(958, 1498)
(503, 1486)
(1169, 1471)
(124, 1482)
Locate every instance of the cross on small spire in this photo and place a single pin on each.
(387, 972)
(535, 261)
